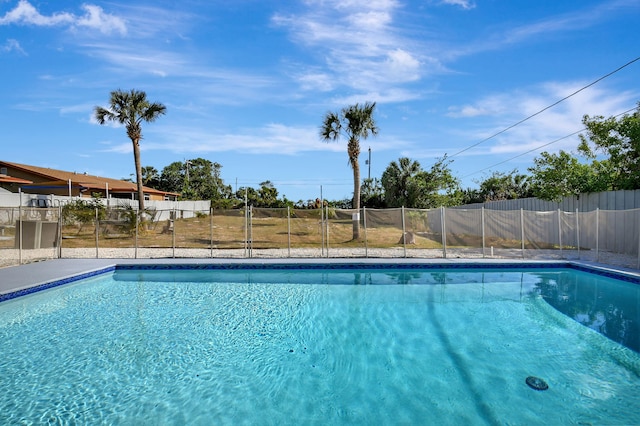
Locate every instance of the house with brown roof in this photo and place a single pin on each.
(15, 177)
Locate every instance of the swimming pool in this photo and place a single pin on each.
(323, 344)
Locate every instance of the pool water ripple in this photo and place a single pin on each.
(243, 352)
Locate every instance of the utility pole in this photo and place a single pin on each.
(369, 163)
(188, 163)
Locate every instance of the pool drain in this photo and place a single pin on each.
(537, 383)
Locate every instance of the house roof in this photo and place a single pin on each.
(11, 179)
(60, 178)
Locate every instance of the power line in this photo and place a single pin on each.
(524, 153)
(546, 108)
(542, 146)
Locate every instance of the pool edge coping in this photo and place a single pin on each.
(316, 263)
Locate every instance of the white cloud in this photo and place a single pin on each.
(25, 13)
(489, 106)
(543, 28)
(359, 46)
(269, 139)
(275, 137)
(465, 4)
(12, 45)
(498, 112)
(95, 18)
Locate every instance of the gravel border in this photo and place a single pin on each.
(10, 257)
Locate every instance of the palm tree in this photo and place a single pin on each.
(131, 109)
(395, 181)
(150, 176)
(354, 122)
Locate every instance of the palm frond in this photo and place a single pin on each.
(331, 127)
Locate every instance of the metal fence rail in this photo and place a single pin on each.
(30, 234)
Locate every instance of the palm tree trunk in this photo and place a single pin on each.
(356, 200)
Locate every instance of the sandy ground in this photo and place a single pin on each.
(10, 257)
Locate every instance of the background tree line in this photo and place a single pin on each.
(607, 158)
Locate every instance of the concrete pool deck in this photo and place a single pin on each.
(15, 278)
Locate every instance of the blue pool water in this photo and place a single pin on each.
(318, 346)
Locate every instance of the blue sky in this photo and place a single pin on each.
(247, 82)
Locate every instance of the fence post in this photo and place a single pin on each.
(404, 234)
(288, 231)
(560, 232)
(326, 218)
(97, 230)
(322, 225)
(444, 232)
(364, 222)
(483, 236)
(251, 231)
(578, 232)
(20, 233)
(598, 235)
(210, 231)
(59, 231)
(638, 262)
(173, 233)
(139, 221)
(522, 229)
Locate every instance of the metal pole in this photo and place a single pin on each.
(59, 231)
(638, 262)
(135, 250)
(364, 222)
(522, 229)
(173, 233)
(211, 231)
(97, 229)
(20, 233)
(246, 222)
(483, 236)
(560, 232)
(288, 232)
(404, 233)
(444, 232)
(322, 224)
(327, 227)
(597, 234)
(578, 232)
(369, 163)
(251, 231)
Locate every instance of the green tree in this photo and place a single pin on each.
(195, 179)
(372, 194)
(150, 177)
(407, 184)
(131, 109)
(471, 196)
(504, 186)
(396, 181)
(354, 122)
(172, 177)
(555, 176)
(619, 139)
(268, 195)
(438, 186)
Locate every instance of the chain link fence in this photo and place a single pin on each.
(31, 234)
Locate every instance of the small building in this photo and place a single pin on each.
(15, 177)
